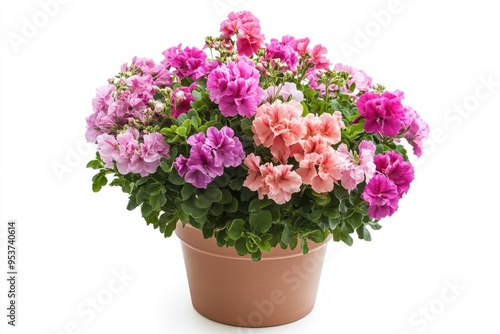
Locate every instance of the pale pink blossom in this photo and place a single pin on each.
(278, 126)
(280, 182)
(356, 167)
(321, 171)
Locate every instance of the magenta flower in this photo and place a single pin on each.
(209, 155)
(383, 113)
(283, 52)
(227, 149)
(186, 62)
(181, 100)
(381, 194)
(395, 168)
(246, 27)
(417, 133)
(235, 87)
(202, 168)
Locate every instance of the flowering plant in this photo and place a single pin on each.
(258, 144)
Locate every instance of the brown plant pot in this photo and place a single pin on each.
(234, 290)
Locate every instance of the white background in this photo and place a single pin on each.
(72, 242)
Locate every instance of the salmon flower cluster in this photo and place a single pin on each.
(257, 142)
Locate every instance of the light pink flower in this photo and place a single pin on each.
(278, 126)
(356, 167)
(362, 81)
(321, 171)
(280, 182)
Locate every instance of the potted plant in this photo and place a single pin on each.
(253, 148)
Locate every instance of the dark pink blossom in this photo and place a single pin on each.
(235, 87)
(383, 113)
(181, 100)
(282, 52)
(395, 168)
(381, 194)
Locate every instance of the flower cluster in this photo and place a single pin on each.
(257, 143)
(209, 155)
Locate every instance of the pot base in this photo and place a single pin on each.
(230, 289)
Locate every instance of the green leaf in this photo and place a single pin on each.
(213, 194)
(363, 233)
(304, 246)
(236, 229)
(187, 191)
(241, 247)
(196, 95)
(287, 235)
(174, 178)
(157, 200)
(261, 221)
(203, 202)
(256, 256)
(265, 246)
(251, 245)
(95, 164)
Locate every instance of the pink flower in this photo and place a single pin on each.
(235, 87)
(249, 39)
(186, 61)
(318, 57)
(181, 100)
(356, 167)
(282, 52)
(235, 20)
(286, 92)
(280, 182)
(359, 78)
(381, 194)
(254, 178)
(162, 77)
(278, 126)
(417, 133)
(107, 147)
(395, 168)
(321, 171)
(384, 113)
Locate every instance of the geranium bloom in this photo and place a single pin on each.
(359, 78)
(181, 100)
(235, 87)
(247, 29)
(209, 155)
(283, 52)
(356, 167)
(384, 113)
(321, 171)
(318, 57)
(278, 126)
(417, 133)
(280, 182)
(381, 194)
(286, 92)
(187, 61)
(396, 168)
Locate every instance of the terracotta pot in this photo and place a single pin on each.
(234, 290)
